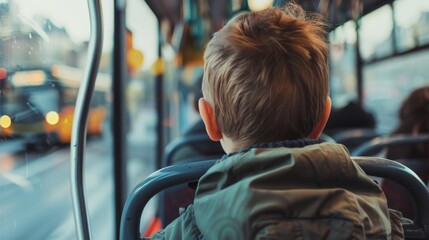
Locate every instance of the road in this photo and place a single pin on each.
(35, 200)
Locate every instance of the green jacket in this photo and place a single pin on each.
(310, 192)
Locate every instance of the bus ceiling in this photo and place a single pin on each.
(337, 11)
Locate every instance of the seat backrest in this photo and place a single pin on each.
(352, 138)
(405, 177)
(326, 138)
(191, 148)
(189, 172)
(398, 197)
(419, 166)
(156, 182)
(377, 144)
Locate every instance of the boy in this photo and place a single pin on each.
(266, 100)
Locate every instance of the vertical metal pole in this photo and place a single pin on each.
(159, 90)
(119, 112)
(359, 66)
(80, 122)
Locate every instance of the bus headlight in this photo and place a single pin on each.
(52, 118)
(5, 121)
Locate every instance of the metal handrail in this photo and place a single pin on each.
(404, 176)
(153, 184)
(78, 137)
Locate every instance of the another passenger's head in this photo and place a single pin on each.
(414, 112)
(266, 78)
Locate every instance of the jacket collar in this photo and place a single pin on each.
(298, 143)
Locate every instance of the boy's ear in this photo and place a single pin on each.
(323, 120)
(209, 119)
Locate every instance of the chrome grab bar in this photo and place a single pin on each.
(78, 137)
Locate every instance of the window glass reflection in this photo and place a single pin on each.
(375, 34)
(387, 83)
(412, 21)
(43, 52)
(141, 52)
(342, 49)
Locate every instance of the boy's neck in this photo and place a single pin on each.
(228, 145)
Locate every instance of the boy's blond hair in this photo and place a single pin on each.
(266, 75)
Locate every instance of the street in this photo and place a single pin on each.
(35, 196)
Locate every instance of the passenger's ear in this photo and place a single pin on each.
(323, 120)
(209, 119)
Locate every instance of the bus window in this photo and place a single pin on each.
(375, 34)
(342, 49)
(141, 113)
(139, 90)
(412, 19)
(395, 78)
(43, 52)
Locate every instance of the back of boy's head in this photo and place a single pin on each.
(266, 75)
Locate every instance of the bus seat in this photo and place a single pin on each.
(184, 149)
(190, 172)
(352, 138)
(398, 197)
(407, 179)
(375, 145)
(190, 148)
(326, 138)
(156, 182)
